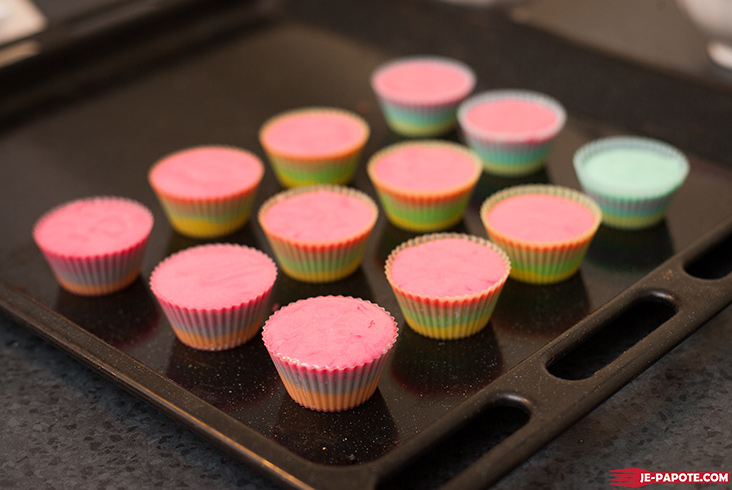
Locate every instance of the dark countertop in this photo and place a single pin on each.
(67, 427)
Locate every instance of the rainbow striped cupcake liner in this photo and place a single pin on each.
(623, 208)
(331, 389)
(542, 263)
(207, 218)
(511, 155)
(424, 211)
(214, 329)
(97, 275)
(452, 317)
(318, 262)
(420, 120)
(334, 168)
(291, 172)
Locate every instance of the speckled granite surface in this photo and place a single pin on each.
(64, 426)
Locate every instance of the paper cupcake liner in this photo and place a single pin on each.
(542, 263)
(516, 154)
(333, 168)
(419, 121)
(452, 317)
(509, 159)
(318, 262)
(424, 211)
(630, 208)
(331, 389)
(208, 219)
(294, 173)
(422, 119)
(97, 274)
(214, 329)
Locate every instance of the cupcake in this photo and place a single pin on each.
(315, 145)
(214, 296)
(632, 179)
(447, 284)
(424, 185)
(330, 351)
(95, 245)
(419, 95)
(207, 191)
(544, 229)
(318, 233)
(511, 130)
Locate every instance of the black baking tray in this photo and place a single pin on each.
(550, 353)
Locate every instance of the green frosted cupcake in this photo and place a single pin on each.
(633, 179)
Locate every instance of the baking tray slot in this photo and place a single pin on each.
(714, 263)
(619, 333)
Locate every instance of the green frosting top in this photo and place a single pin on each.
(630, 167)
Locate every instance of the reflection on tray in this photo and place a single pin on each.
(242, 236)
(289, 290)
(122, 319)
(337, 438)
(446, 368)
(530, 310)
(229, 379)
(631, 251)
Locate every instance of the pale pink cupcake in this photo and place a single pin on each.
(95, 245)
(330, 351)
(215, 296)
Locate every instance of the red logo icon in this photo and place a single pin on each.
(629, 477)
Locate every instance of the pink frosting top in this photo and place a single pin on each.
(213, 276)
(541, 218)
(330, 332)
(319, 216)
(207, 172)
(420, 167)
(93, 227)
(423, 81)
(511, 117)
(447, 267)
(314, 133)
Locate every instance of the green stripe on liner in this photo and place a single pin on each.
(312, 266)
(432, 217)
(419, 122)
(293, 173)
(450, 320)
(545, 272)
(210, 218)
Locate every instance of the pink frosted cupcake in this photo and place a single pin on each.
(419, 95)
(95, 245)
(447, 284)
(511, 130)
(318, 233)
(544, 229)
(330, 351)
(424, 185)
(215, 296)
(207, 191)
(314, 145)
